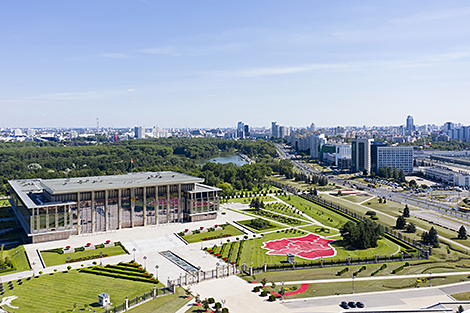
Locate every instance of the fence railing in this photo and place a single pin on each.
(223, 270)
(130, 303)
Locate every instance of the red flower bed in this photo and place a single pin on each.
(302, 289)
(308, 247)
(68, 247)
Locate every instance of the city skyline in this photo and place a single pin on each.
(211, 64)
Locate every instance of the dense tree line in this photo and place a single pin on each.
(49, 160)
(388, 172)
(430, 238)
(362, 235)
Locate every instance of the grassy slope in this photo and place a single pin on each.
(19, 259)
(170, 303)
(229, 230)
(59, 292)
(53, 258)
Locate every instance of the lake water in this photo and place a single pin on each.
(224, 158)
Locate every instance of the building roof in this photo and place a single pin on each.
(95, 183)
(85, 184)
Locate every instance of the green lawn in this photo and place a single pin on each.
(356, 199)
(318, 230)
(60, 291)
(18, 256)
(330, 272)
(54, 258)
(169, 303)
(302, 221)
(283, 209)
(248, 200)
(324, 216)
(252, 251)
(4, 202)
(229, 230)
(275, 226)
(327, 289)
(384, 247)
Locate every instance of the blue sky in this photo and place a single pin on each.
(213, 63)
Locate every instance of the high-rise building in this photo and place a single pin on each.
(139, 132)
(360, 154)
(240, 130)
(400, 158)
(275, 130)
(410, 127)
(316, 142)
(247, 130)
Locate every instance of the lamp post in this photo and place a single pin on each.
(101, 257)
(145, 262)
(282, 291)
(201, 243)
(352, 276)
(134, 249)
(32, 266)
(156, 271)
(223, 302)
(430, 273)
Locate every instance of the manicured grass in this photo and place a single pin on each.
(4, 202)
(290, 182)
(356, 199)
(18, 256)
(228, 230)
(324, 216)
(169, 303)
(60, 291)
(385, 247)
(248, 199)
(330, 272)
(318, 230)
(283, 209)
(253, 211)
(252, 251)
(54, 258)
(275, 226)
(327, 289)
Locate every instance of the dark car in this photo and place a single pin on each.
(359, 304)
(344, 305)
(352, 304)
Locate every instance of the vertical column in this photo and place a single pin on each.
(79, 219)
(38, 220)
(168, 203)
(156, 205)
(31, 221)
(92, 212)
(145, 206)
(180, 219)
(119, 209)
(132, 206)
(56, 224)
(47, 218)
(106, 216)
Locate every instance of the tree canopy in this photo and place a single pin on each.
(362, 235)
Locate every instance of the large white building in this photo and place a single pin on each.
(400, 158)
(316, 142)
(361, 154)
(447, 175)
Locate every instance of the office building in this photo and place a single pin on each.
(55, 209)
(274, 130)
(360, 154)
(316, 143)
(400, 158)
(246, 130)
(240, 130)
(410, 127)
(139, 132)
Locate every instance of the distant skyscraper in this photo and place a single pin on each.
(361, 154)
(274, 129)
(313, 128)
(139, 132)
(247, 130)
(410, 124)
(240, 130)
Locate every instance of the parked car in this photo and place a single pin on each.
(344, 305)
(352, 304)
(359, 304)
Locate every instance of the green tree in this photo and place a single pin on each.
(430, 238)
(410, 228)
(462, 233)
(400, 223)
(406, 211)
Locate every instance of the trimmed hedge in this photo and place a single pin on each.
(344, 270)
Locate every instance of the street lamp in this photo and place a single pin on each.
(145, 262)
(430, 273)
(352, 276)
(156, 271)
(223, 302)
(134, 249)
(32, 266)
(101, 257)
(201, 243)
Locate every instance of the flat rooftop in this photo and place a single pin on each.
(96, 183)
